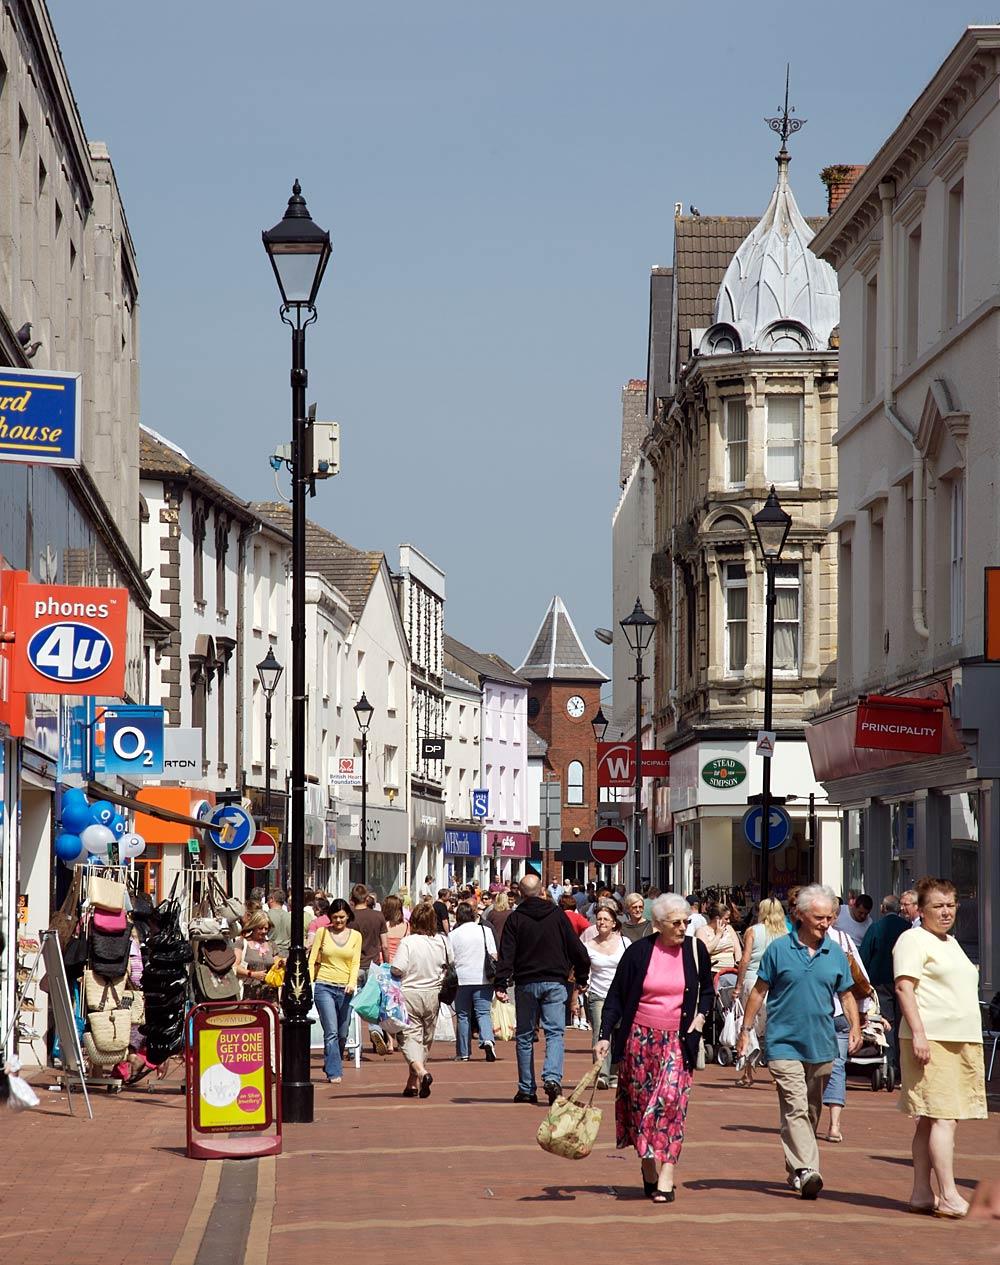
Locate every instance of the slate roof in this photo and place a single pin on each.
(704, 246)
(487, 667)
(161, 460)
(453, 681)
(537, 747)
(350, 570)
(557, 653)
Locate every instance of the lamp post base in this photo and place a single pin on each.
(296, 1087)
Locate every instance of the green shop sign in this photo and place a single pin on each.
(723, 774)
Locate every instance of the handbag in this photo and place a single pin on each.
(699, 1058)
(489, 962)
(861, 989)
(111, 1029)
(101, 993)
(275, 977)
(106, 894)
(449, 980)
(64, 920)
(108, 954)
(570, 1127)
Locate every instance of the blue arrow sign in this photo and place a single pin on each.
(779, 833)
(239, 821)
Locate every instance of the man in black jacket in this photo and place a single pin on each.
(538, 949)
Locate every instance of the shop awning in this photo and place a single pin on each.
(96, 791)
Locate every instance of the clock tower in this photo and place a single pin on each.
(564, 694)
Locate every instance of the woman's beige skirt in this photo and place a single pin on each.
(952, 1086)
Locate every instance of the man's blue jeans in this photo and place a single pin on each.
(472, 997)
(334, 1008)
(545, 1000)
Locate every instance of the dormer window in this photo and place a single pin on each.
(720, 340)
(785, 336)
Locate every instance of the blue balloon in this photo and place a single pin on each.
(68, 847)
(117, 825)
(73, 795)
(75, 816)
(102, 813)
(95, 860)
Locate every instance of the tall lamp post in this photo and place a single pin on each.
(299, 251)
(600, 727)
(638, 628)
(363, 711)
(772, 525)
(269, 673)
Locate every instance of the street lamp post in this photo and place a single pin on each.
(269, 672)
(299, 251)
(772, 525)
(638, 628)
(363, 711)
(600, 727)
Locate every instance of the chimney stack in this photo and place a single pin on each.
(839, 180)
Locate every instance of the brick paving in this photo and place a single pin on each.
(462, 1170)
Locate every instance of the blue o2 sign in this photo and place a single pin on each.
(40, 417)
(133, 741)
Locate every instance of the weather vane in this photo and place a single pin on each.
(785, 125)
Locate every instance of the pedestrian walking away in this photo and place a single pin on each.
(770, 925)
(651, 1025)
(798, 976)
(419, 965)
(334, 962)
(876, 954)
(538, 951)
(475, 952)
(605, 950)
(940, 1045)
(835, 1094)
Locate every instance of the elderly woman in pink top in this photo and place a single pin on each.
(653, 1016)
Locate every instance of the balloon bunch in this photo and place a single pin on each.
(90, 831)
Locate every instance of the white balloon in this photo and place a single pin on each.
(131, 846)
(98, 839)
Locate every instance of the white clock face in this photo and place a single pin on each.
(576, 706)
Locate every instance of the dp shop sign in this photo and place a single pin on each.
(40, 417)
(69, 640)
(887, 723)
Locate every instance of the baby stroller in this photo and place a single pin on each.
(719, 1034)
(873, 1056)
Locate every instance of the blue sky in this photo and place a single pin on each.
(498, 181)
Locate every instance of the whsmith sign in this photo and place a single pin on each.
(40, 417)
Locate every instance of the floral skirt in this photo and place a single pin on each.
(653, 1091)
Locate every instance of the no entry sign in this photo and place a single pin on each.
(260, 852)
(608, 845)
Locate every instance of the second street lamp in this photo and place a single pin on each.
(638, 629)
(772, 526)
(299, 251)
(363, 711)
(269, 672)
(600, 724)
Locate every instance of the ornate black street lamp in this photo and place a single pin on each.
(299, 251)
(638, 628)
(269, 672)
(772, 526)
(363, 712)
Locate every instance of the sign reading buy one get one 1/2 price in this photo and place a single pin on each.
(40, 417)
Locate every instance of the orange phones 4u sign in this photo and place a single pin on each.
(69, 640)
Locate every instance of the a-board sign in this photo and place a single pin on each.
(62, 1014)
(232, 1061)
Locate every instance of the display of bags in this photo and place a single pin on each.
(64, 920)
(212, 985)
(503, 1019)
(110, 924)
(102, 994)
(105, 893)
(107, 954)
(570, 1128)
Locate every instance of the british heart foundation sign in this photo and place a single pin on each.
(888, 723)
(69, 640)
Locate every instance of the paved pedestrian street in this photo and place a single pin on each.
(461, 1175)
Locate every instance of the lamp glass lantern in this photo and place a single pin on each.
(772, 526)
(638, 629)
(363, 711)
(600, 724)
(269, 672)
(299, 251)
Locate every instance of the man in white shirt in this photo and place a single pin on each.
(854, 920)
(698, 919)
(908, 907)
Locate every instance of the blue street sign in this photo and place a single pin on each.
(481, 803)
(779, 833)
(240, 822)
(133, 741)
(40, 417)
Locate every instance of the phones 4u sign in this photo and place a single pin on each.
(69, 640)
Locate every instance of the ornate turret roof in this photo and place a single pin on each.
(557, 653)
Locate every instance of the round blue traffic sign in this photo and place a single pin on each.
(779, 833)
(241, 827)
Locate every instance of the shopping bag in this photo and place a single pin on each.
(444, 1029)
(368, 1001)
(392, 1015)
(503, 1019)
(731, 1025)
(21, 1096)
(570, 1128)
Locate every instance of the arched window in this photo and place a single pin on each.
(574, 783)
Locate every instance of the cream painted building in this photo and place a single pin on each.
(917, 247)
(751, 403)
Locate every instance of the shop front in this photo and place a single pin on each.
(510, 852)
(712, 784)
(385, 854)
(463, 853)
(917, 774)
(427, 858)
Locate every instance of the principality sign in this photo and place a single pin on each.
(40, 417)
(616, 763)
(69, 640)
(891, 723)
(724, 774)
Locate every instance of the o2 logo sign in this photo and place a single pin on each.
(70, 652)
(69, 640)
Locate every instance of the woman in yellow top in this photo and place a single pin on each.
(334, 961)
(940, 1046)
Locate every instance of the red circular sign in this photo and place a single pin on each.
(608, 845)
(260, 852)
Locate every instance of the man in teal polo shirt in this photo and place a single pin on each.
(799, 975)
